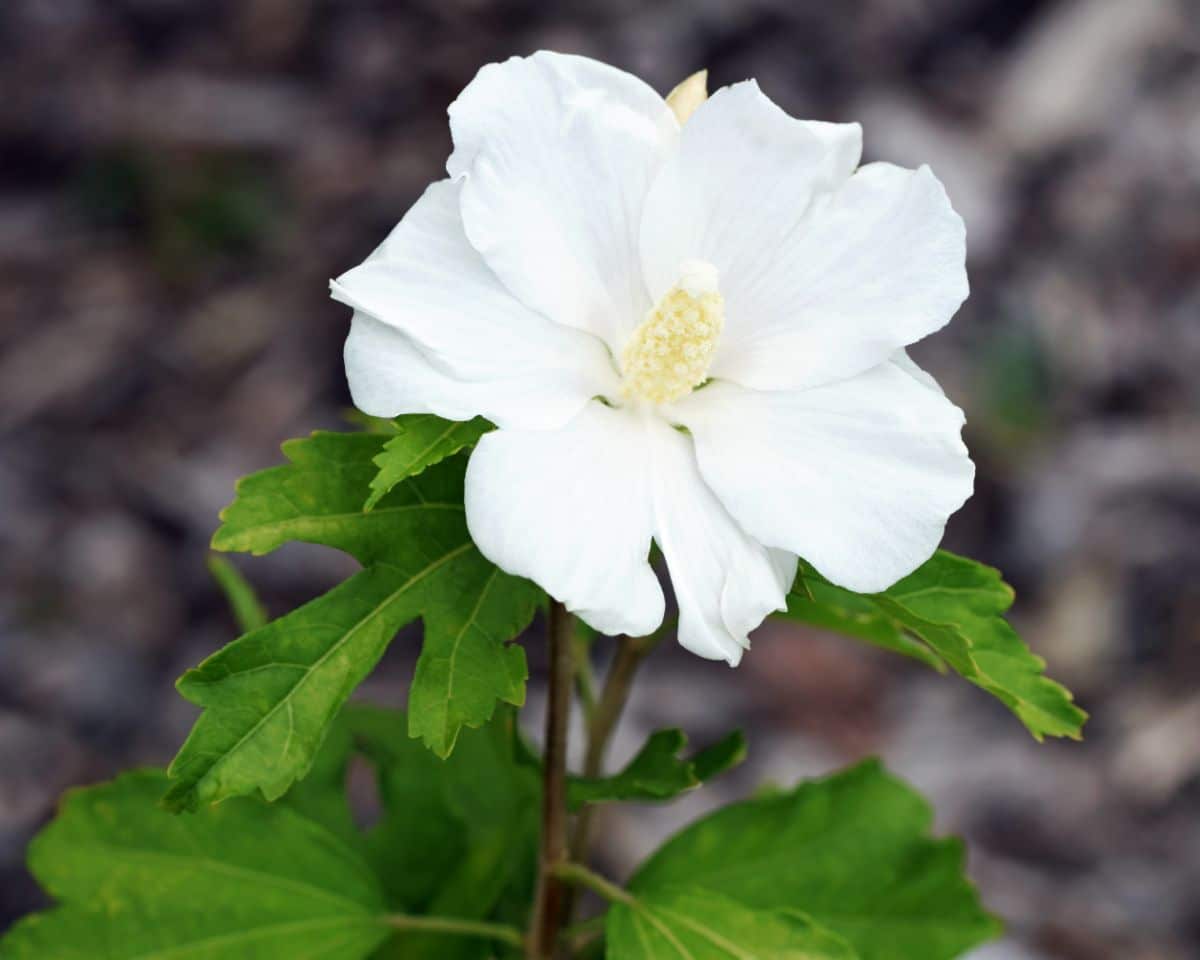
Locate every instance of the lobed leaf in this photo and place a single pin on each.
(949, 612)
(657, 772)
(270, 696)
(421, 441)
(465, 665)
(852, 852)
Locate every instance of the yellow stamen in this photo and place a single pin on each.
(669, 353)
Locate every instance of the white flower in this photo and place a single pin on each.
(688, 334)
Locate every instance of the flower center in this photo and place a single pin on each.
(669, 352)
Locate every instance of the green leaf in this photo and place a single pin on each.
(421, 441)
(950, 611)
(856, 615)
(658, 772)
(366, 423)
(244, 880)
(321, 794)
(465, 667)
(851, 851)
(692, 924)
(721, 756)
(456, 835)
(270, 696)
(418, 838)
(248, 612)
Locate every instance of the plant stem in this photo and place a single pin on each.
(602, 723)
(611, 703)
(578, 875)
(453, 925)
(585, 677)
(548, 902)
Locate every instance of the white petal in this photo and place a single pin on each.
(725, 582)
(906, 363)
(858, 477)
(441, 308)
(558, 152)
(734, 192)
(390, 375)
(874, 266)
(571, 510)
(843, 141)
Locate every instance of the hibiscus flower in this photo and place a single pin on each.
(690, 333)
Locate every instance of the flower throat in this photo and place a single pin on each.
(669, 352)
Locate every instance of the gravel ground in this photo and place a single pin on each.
(178, 179)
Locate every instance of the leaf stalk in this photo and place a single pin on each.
(454, 925)
(602, 720)
(578, 875)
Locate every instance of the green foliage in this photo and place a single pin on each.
(245, 879)
(658, 772)
(242, 880)
(248, 611)
(321, 795)
(838, 869)
(696, 924)
(851, 852)
(255, 850)
(421, 440)
(270, 696)
(950, 611)
(457, 836)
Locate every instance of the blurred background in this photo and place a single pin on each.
(179, 179)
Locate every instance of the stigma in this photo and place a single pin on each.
(669, 353)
